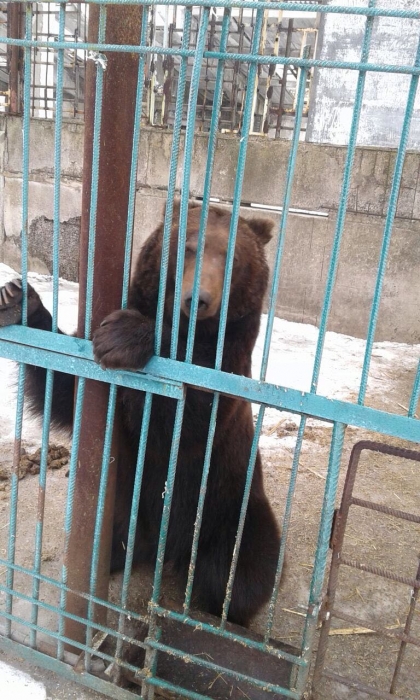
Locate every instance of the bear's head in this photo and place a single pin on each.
(249, 274)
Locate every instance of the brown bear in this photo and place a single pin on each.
(125, 339)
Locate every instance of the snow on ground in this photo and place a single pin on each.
(16, 684)
(290, 363)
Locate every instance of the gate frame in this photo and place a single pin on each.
(328, 610)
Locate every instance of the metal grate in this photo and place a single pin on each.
(330, 610)
(284, 33)
(156, 634)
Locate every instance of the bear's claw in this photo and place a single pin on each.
(10, 303)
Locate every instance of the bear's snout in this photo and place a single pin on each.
(204, 302)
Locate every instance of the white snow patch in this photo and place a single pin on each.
(16, 685)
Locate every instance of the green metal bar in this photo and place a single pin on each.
(95, 176)
(166, 377)
(79, 645)
(186, 173)
(173, 166)
(242, 516)
(68, 517)
(148, 398)
(415, 396)
(39, 659)
(245, 58)
(300, 101)
(211, 149)
(100, 509)
(202, 662)
(63, 587)
(226, 634)
(239, 179)
(25, 162)
(389, 221)
(133, 519)
(50, 375)
(292, 6)
(134, 160)
(11, 544)
(150, 660)
(81, 363)
(324, 533)
(326, 305)
(211, 152)
(55, 609)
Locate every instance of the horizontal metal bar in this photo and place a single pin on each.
(49, 649)
(40, 659)
(361, 687)
(256, 5)
(67, 354)
(402, 514)
(244, 641)
(63, 587)
(215, 55)
(191, 659)
(391, 634)
(79, 645)
(164, 376)
(56, 610)
(176, 690)
(379, 571)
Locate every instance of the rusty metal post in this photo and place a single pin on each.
(119, 95)
(14, 32)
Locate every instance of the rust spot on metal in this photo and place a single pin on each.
(118, 107)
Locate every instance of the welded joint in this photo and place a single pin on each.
(98, 58)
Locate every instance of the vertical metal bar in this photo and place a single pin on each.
(407, 628)
(389, 221)
(267, 341)
(211, 150)
(134, 159)
(133, 519)
(164, 525)
(50, 373)
(176, 137)
(284, 216)
(415, 395)
(68, 517)
(11, 546)
(153, 631)
(14, 31)
(241, 524)
(103, 495)
(327, 300)
(186, 172)
(243, 146)
(341, 214)
(106, 176)
(338, 533)
(327, 513)
(284, 79)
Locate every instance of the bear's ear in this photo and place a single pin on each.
(262, 228)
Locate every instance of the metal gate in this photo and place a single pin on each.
(258, 667)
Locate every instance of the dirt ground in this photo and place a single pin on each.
(372, 538)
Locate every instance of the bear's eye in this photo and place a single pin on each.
(190, 249)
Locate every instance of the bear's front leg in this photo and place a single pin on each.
(124, 340)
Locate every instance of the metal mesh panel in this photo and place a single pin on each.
(35, 597)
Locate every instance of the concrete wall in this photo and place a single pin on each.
(394, 41)
(309, 237)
